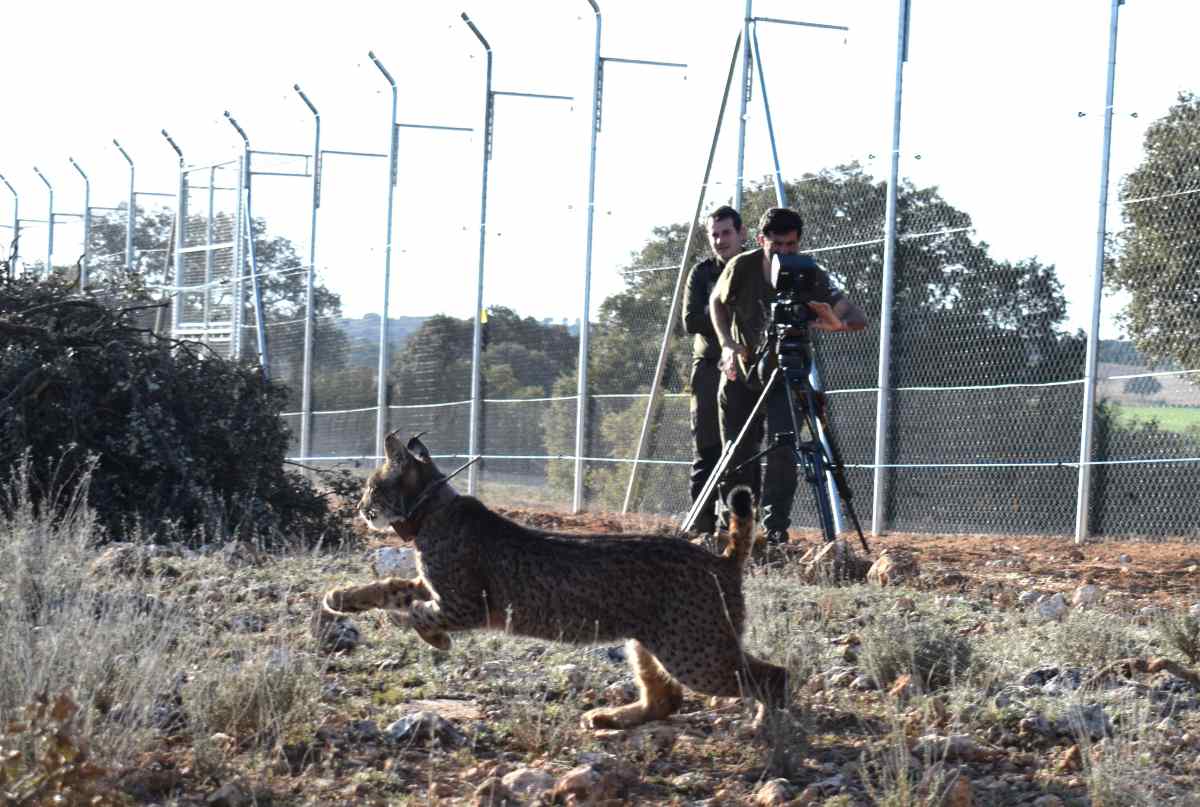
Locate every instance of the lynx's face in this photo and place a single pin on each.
(394, 486)
(379, 506)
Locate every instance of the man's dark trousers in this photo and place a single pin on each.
(706, 436)
(735, 401)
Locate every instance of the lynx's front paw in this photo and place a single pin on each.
(434, 638)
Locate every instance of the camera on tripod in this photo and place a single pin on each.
(795, 278)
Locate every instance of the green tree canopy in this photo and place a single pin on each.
(522, 360)
(951, 296)
(960, 317)
(1156, 259)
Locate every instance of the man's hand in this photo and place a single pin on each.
(729, 356)
(826, 320)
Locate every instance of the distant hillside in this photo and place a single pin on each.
(1118, 351)
(364, 335)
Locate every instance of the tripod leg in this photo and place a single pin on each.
(801, 406)
(727, 455)
(821, 493)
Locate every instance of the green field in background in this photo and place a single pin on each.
(1170, 418)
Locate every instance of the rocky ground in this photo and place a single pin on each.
(976, 669)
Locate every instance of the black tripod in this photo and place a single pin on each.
(791, 347)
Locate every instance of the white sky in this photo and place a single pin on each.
(992, 94)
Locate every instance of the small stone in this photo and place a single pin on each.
(776, 791)
(391, 561)
(893, 567)
(222, 740)
(951, 748)
(1124, 559)
(424, 726)
(228, 795)
(842, 677)
(809, 795)
(620, 693)
(575, 677)
(1088, 720)
(863, 683)
(689, 780)
(367, 730)
(528, 782)
(1049, 800)
(1086, 595)
(1037, 725)
(1052, 608)
(1071, 760)
(491, 791)
(1027, 598)
(586, 783)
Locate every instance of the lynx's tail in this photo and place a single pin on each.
(741, 523)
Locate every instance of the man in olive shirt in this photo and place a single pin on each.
(726, 234)
(740, 307)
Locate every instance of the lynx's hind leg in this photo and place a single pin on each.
(660, 695)
(725, 669)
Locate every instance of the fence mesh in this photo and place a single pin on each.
(1147, 442)
(993, 256)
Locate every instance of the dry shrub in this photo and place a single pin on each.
(1181, 631)
(933, 654)
(44, 761)
(258, 700)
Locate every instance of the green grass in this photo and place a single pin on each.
(1180, 419)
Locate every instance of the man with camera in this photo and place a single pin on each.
(726, 234)
(740, 307)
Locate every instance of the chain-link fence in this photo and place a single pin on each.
(983, 405)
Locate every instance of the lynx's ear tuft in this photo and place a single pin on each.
(394, 448)
(417, 448)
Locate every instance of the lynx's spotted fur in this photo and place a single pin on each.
(680, 606)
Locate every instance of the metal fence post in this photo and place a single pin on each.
(581, 402)
(131, 218)
(237, 312)
(208, 250)
(87, 225)
(887, 287)
(677, 296)
(16, 225)
(1083, 497)
(309, 315)
(180, 231)
(597, 115)
(477, 339)
(381, 400)
(747, 81)
(247, 221)
(780, 191)
(49, 223)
